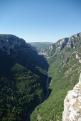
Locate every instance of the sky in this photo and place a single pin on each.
(40, 20)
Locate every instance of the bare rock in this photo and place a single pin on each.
(72, 104)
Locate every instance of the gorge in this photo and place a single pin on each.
(26, 93)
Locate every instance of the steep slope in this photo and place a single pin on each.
(72, 42)
(13, 45)
(23, 79)
(64, 70)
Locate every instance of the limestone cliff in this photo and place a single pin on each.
(72, 104)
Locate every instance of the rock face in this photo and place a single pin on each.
(72, 104)
(70, 42)
(50, 49)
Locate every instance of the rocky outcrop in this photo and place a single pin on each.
(78, 57)
(69, 42)
(50, 49)
(72, 104)
(72, 42)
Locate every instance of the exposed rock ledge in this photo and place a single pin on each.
(72, 104)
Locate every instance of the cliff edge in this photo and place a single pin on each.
(72, 104)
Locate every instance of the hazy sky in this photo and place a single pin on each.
(40, 20)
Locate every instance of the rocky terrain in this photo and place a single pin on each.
(72, 104)
(50, 49)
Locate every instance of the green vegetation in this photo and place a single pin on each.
(64, 78)
(23, 79)
(64, 70)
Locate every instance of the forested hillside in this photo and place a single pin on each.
(23, 79)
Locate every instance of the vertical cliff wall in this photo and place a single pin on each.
(72, 104)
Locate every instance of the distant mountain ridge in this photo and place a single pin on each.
(42, 47)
